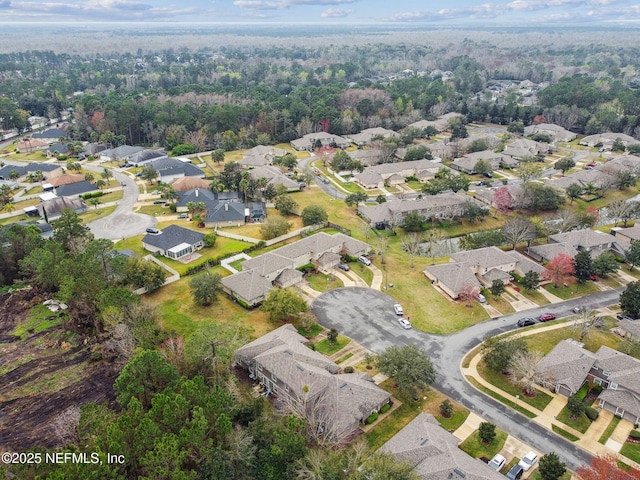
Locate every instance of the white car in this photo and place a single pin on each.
(497, 462)
(528, 461)
(398, 309)
(405, 323)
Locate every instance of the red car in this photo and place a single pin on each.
(545, 317)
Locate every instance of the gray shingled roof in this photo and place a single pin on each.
(453, 275)
(568, 364)
(525, 264)
(166, 166)
(76, 188)
(173, 235)
(434, 454)
(630, 326)
(487, 257)
(248, 284)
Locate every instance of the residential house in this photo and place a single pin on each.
(222, 208)
(171, 168)
(523, 147)
(365, 136)
(630, 329)
(573, 242)
(49, 171)
(597, 178)
(607, 139)
(184, 184)
(478, 268)
(555, 132)
(174, 242)
(622, 163)
(434, 454)
(467, 164)
(143, 157)
(119, 154)
(274, 177)
(569, 366)
(260, 156)
(56, 149)
(51, 135)
(64, 179)
(53, 207)
(445, 205)
(441, 124)
(624, 236)
(31, 144)
(259, 274)
(310, 141)
(367, 156)
(375, 177)
(74, 190)
(94, 149)
(287, 368)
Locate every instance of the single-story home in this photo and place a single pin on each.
(171, 168)
(467, 163)
(569, 365)
(288, 369)
(174, 242)
(607, 139)
(184, 184)
(524, 147)
(366, 135)
(434, 454)
(624, 236)
(275, 177)
(222, 208)
(259, 273)
(51, 134)
(375, 177)
(49, 170)
(121, 153)
(308, 142)
(573, 242)
(143, 157)
(445, 205)
(555, 132)
(75, 189)
(630, 329)
(53, 207)
(260, 156)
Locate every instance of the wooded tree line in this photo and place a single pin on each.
(240, 99)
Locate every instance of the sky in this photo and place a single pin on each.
(453, 12)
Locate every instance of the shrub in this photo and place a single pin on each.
(62, 158)
(371, 418)
(591, 413)
(348, 369)
(385, 408)
(487, 432)
(635, 434)
(582, 393)
(446, 409)
(596, 389)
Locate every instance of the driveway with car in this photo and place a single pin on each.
(368, 317)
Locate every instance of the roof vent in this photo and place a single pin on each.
(226, 207)
(424, 441)
(459, 473)
(300, 368)
(196, 192)
(343, 385)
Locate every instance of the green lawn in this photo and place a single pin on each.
(563, 433)
(540, 401)
(500, 398)
(326, 348)
(477, 449)
(310, 332)
(95, 213)
(573, 291)
(500, 303)
(609, 430)
(581, 423)
(363, 272)
(40, 318)
(536, 476)
(322, 282)
(535, 296)
(631, 451)
(392, 424)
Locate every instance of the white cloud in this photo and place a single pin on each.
(336, 13)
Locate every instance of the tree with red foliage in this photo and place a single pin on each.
(502, 199)
(468, 293)
(559, 270)
(606, 468)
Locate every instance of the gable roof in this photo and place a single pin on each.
(171, 236)
(167, 166)
(51, 133)
(434, 454)
(487, 257)
(453, 275)
(248, 284)
(273, 176)
(66, 179)
(145, 156)
(55, 205)
(568, 364)
(585, 238)
(76, 188)
(184, 184)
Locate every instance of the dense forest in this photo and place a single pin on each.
(237, 96)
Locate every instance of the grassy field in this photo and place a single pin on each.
(573, 291)
(500, 303)
(326, 348)
(95, 213)
(477, 449)
(322, 282)
(500, 398)
(563, 433)
(545, 341)
(179, 314)
(631, 451)
(609, 430)
(580, 423)
(540, 401)
(535, 296)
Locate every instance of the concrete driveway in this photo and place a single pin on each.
(367, 317)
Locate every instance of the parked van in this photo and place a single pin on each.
(365, 260)
(481, 298)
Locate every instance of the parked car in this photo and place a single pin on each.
(124, 184)
(344, 267)
(579, 309)
(497, 462)
(153, 231)
(364, 260)
(183, 215)
(158, 202)
(528, 461)
(481, 298)
(622, 316)
(405, 323)
(488, 174)
(526, 322)
(515, 473)
(398, 309)
(482, 183)
(325, 180)
(545, 317)
(590, 166)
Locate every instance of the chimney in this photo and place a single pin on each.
(226, 207)
(197, 192)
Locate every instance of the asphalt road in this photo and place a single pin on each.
(122, 222)
(367, 316)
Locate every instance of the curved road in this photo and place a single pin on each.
(122, 222)
(367, 316)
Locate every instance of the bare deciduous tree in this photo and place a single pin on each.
(525, 372)
(434, 240)
(411, 244)
(518, 230)
(122, 343)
